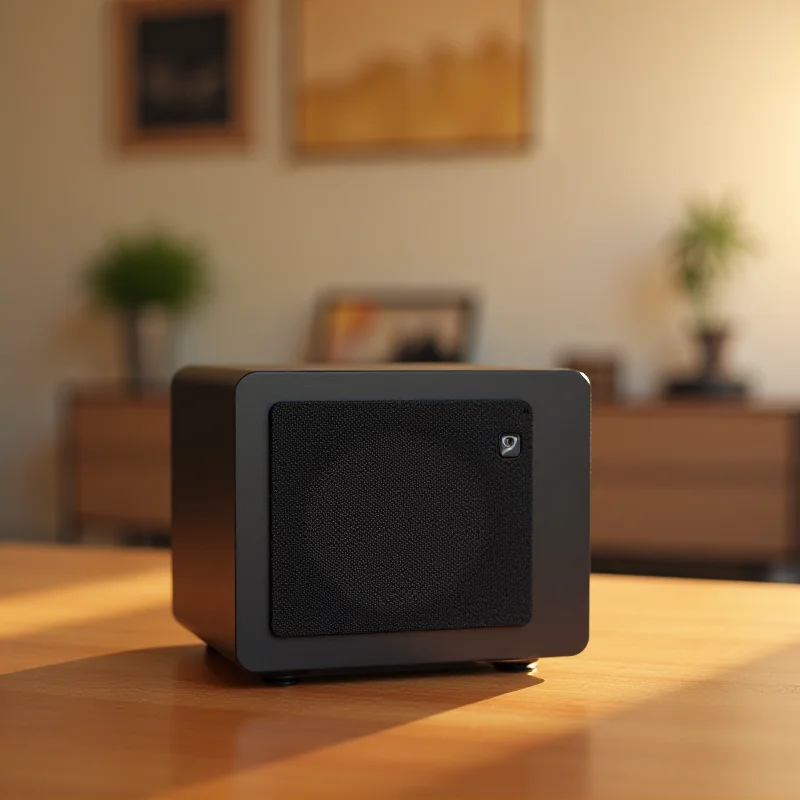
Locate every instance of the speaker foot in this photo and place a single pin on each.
(279, 680)
(514, 666)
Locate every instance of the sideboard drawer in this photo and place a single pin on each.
(715, 482)
(118, 461)
(641, 440)
(707, 521)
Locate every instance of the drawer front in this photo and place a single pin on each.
(130, 489)
(724, 521)
(111, 426)
(684, 441)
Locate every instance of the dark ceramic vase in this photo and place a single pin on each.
(712, 344)
(710, 381)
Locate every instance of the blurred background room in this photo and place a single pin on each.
(606, 185)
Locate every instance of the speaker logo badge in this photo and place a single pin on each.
(510, 445)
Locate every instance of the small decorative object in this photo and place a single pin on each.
(417, 327)
(602, 372)
(137, 275)
(712, 241)
(410, 75)
(180, 73)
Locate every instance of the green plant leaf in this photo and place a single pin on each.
(710, 243)
(148, 269)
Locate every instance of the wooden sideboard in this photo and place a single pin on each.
(705, 482)
(116, 461)
(710, 482)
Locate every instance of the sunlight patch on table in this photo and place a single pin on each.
(33, 612)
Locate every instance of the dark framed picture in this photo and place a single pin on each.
(370, 76)
(353, 327)
(181, 73)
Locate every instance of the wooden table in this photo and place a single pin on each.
(688, 689)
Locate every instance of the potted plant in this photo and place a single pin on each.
(136, 274)
(706, 249)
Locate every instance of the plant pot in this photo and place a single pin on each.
(710, 381)
(156, 331)
(711, 344)
(147, 342)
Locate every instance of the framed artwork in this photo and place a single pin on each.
(410, 75)
(180, 73)
(383, 328)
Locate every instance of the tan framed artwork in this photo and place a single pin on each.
(410, 75)
(181, 74)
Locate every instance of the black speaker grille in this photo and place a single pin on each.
(398, 516)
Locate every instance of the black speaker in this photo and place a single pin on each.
(369, 519)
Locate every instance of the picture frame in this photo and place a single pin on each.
(448, 89)
(181, 77)
(381, 327)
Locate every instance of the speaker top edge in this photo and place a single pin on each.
(322, 367)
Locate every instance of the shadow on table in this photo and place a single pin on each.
(735, 735)
(140, 723)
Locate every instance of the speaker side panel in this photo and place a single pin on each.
(561, 401)
(203, 504)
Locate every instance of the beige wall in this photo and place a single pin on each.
(645, 101)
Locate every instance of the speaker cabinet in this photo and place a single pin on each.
(369, 519)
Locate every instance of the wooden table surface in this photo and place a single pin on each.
(689, 689)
